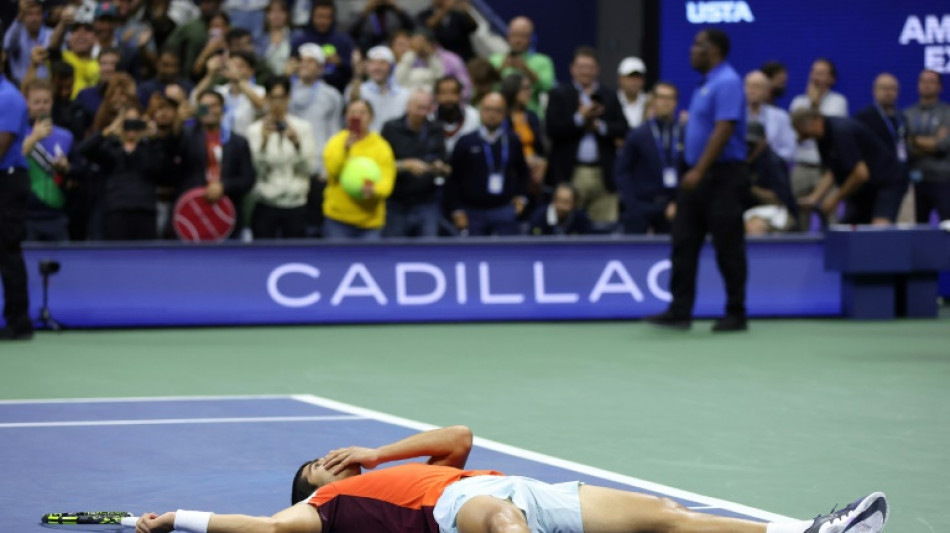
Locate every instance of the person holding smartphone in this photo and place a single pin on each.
(284, 153)
(347, 217)
(132, 166)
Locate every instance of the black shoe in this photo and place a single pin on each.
(9, 333)
(670, 321)
(730, 323)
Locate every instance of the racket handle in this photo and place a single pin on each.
(129, 521)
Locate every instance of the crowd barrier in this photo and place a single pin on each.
(313, 282)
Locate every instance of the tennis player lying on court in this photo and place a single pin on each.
(331, 495)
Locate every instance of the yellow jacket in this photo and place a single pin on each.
(340, 206)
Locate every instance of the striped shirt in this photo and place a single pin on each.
(397, 499)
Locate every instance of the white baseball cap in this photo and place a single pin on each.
(313, 51)
(631, 65)
(381, 53)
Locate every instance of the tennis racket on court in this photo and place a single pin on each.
(90, 520)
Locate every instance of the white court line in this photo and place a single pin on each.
(148, 399)
(162, 421)
(712, 503)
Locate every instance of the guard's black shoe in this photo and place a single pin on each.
(670, 321)
(730, 323)
(9, 333)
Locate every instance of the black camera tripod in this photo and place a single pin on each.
(46, 321)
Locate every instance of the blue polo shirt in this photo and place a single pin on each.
(14, 119)
(719, 97)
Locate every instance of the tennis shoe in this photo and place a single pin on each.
(867, 515)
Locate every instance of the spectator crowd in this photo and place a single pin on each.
(266, 105)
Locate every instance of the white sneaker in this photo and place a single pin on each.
(867, 515)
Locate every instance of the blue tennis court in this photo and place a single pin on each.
(226, 454)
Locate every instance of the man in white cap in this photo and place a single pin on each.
(388, 99)
(630, 91)
(319, 103)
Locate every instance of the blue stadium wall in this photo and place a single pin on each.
(469, 280)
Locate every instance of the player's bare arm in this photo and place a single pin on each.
(448, 446)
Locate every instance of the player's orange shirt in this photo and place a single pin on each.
(397, 499)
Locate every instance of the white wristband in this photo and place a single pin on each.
(192, 521)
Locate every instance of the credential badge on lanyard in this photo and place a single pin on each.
(496, 176)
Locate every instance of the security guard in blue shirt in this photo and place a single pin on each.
(714, 191)
(14, 197)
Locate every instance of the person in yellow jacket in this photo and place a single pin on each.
(346, 217)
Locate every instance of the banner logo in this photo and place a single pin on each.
(718, 12)
(933, 33)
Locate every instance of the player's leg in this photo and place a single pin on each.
(606, 510)
(487, 514)
(613, 511)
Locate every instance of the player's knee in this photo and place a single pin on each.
(506, 519)
(672, 505)
(672, 517)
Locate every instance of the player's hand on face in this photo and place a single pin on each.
(154, 523)
(336, 461)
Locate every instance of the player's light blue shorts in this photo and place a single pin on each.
(548, 508)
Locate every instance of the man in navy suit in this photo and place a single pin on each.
(213, 157)
(886, 120)
(649, 165)
(585, 124)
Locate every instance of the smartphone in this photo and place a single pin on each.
(134, 124)
(595, 98)
(353, 125)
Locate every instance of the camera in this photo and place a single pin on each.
(48, 266)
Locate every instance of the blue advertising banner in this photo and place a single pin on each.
(862, 37)
(538, 279)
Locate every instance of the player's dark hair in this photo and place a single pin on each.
(301, 487)
(719, 39)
